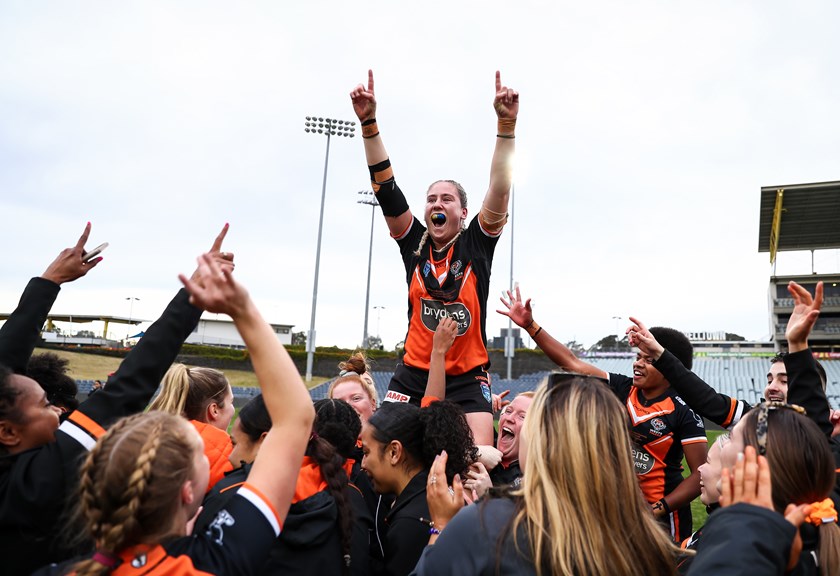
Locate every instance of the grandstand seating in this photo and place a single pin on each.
(740, 377)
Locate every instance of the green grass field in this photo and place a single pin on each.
(95, 367)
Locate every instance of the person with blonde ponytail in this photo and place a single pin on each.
(204, 397)
(447, 262)
(146, 477)
(578, 509)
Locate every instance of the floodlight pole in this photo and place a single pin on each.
(510, 342)
(368, 198)
(329, 127)
(131, 300)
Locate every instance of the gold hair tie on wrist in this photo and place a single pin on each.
(506, 127)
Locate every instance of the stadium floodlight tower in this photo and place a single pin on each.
(369, 198)
(328, 127)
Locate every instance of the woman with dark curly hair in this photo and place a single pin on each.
(578, 510)
(328, 528)
(400, 442)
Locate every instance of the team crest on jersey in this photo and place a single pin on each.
(216, 530)
(456, 268)
(485, 391)
(426, 269)
(642, 460)
(657, 426)
(431, 311)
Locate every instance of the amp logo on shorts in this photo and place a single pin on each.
(642, 461)
(394, 396)
(431, 311)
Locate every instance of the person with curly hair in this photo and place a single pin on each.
(400, 442)
(39, 458)
(328, 528)
(49, 370)
(578, 510)
(664, 428)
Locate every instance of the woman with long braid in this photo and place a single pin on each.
(39, 459)
(146, 477)
(328, 528)
(447, 263)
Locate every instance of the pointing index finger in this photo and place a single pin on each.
(84, 237)
(370, 81)
(217, 243)
(498, 81)
(638, 323)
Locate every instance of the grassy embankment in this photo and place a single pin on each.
(96, 367)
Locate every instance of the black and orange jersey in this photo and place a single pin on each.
(456, 284)
(659, 428)
(36, 485)
(238, 541)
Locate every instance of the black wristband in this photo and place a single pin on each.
(369, 121)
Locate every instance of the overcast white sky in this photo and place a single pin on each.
(646, 130)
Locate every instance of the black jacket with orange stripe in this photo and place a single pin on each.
(310, 542)
(36, 485)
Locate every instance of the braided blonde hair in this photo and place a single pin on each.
(130, 484)
(462, 196)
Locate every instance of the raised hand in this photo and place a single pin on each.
(70, 264)
(490, 456)
(444, 501)
(364, 100)
(217, 291)
(520, 313)
(223, 259)
(445, 335)
(478, 480)
(506, 102)
(638, 336)
(806, 310)
(834, 418)
(750, 482)
(499, 401)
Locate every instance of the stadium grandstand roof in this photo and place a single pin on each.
(84, 318)
(799, 217)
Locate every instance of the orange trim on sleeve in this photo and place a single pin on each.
(428, 401)
(404, 232)
(695, 441)
(731, 414)
(237, 485)
(87, 423)
(262, 496)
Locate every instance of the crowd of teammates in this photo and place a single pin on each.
(152, 475)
